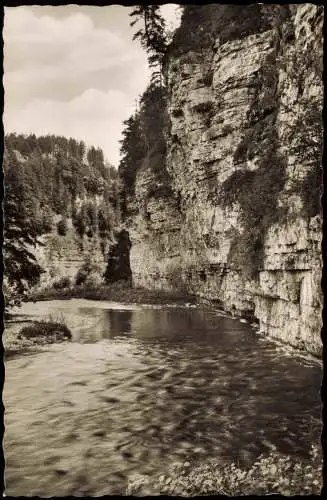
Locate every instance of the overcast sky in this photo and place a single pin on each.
(73, 70)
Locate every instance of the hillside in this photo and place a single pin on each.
(61, 208)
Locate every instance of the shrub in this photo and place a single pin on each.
(93, 279)
(54, 330)
(240, 153)
(62, 227)
(177, 112)
(203, 107)
(79, 223)
(82, 274)
(273, 473)
(64, 282)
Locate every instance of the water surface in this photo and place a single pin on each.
(141, 387)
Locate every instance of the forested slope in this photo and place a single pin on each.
(60, 198)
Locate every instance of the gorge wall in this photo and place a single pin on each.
(241, 224)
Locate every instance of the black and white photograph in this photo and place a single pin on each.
(162, 249)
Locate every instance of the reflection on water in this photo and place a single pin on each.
(139, 388)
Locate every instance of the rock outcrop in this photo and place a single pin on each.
(242, 228)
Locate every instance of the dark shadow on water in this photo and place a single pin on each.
(119, 323)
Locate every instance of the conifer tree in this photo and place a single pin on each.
(151, 36)
(21, 231)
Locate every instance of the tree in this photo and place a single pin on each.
(81, 148)
(153, 117)
(151, 36)
(132, 150)
(62, 226)
(21, 231)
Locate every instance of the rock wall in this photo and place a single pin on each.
(238, 107)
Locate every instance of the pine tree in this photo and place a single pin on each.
(151, 36)
(132, 149)
(21, 231)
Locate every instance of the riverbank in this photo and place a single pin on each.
(115, 293)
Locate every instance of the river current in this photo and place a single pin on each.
(141, 387)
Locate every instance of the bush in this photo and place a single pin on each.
(62, 227)
(88, 275)
(64, 282)
(203, 107)
(94, 279)
(82, 274)
(50, 330)
(177, 112)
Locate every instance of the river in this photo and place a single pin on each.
(141, 387)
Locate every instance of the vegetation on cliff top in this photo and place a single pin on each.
(203, 25)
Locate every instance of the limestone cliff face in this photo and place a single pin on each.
(62, 256)
(240, 110)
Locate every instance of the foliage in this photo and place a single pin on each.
(62, 227)
(311, 189)
(46, 329)
(120, 291)
(177, 112)
(202, 25)
(256, 192)
(64, 282)
(152, 36)
(306, 138)
(132, 152)
(81, 275)
(56, 171)
(44, 176)
(144, 144)
(21, 232)
(273, 473)
(208, 78)
(203, 107)
(35, 334)
(89, 274)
